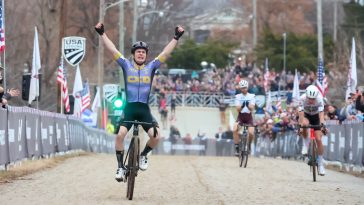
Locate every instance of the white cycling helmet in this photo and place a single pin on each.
(243, 84)
(312, 92)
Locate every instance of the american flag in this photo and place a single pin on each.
(2, 29)
(61, 79)
(321, 81)
(266, 75)
(85, 97)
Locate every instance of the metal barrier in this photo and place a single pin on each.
(31, 133)
(206, 99)
(343, 144)
(191, 99)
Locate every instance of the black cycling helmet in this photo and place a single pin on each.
(139, 45)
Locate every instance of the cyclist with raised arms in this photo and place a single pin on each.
(245, 104)
(311, 112)
(138, 78)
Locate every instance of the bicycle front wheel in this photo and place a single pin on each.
(314, 159)
(132, 168)
(243, 157)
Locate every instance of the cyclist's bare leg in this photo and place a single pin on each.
(251, 135)
(320, 147)
(153, 141)
(236, 128)
(236, 133)
(119, 145)
(320, 152)
(304, 132)
(304, 135)
(119, 140)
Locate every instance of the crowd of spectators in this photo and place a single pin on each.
(280, 120)
(273, 121)
(6, 95)
(224, 80)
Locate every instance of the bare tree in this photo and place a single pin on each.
(157, 28)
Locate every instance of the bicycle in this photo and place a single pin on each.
(244, 146)
(132, 158)
(312, 149)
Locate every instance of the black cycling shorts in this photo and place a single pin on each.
(138, 111)
(314, 120)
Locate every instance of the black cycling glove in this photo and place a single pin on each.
(7, 96)
(245, 104)
(100, 30)
(177, 33)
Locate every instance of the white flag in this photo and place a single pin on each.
(96, 103)
(36, 65)
(77, 88)
(352, 75)
(296, 89)
(77, 107)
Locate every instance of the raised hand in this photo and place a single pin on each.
(100, 28)
(178, 32)
(14, 92)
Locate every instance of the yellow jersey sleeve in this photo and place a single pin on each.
(118, 55)
(161, 59)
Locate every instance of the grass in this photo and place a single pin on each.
(32, 166)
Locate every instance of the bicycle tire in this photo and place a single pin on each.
(132, 168)
(244, 152)
(313, 155)
(241, 158)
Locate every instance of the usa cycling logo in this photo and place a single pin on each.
(74, 49)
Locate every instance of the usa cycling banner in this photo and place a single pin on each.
(74, 49)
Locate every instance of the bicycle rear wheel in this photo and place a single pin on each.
(243, 157)
(132, 167)
(314, 160)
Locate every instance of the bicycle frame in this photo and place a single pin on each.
(244, 145)
(313, 149)
(132, 156)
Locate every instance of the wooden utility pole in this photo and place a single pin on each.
(335, 22)
(254, 23)
(319, 30)
(100, 63)
(62, 33)
(121, 40)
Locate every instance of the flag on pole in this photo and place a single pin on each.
(77, 88)
(296, 89)
(104, 117)
(61, 79)
(321, 81)
(85, 97)
(36, 65)
(96, 103)
(352, 75)
(266, 75)
(2, 27)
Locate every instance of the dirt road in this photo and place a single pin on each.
(184, 180)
